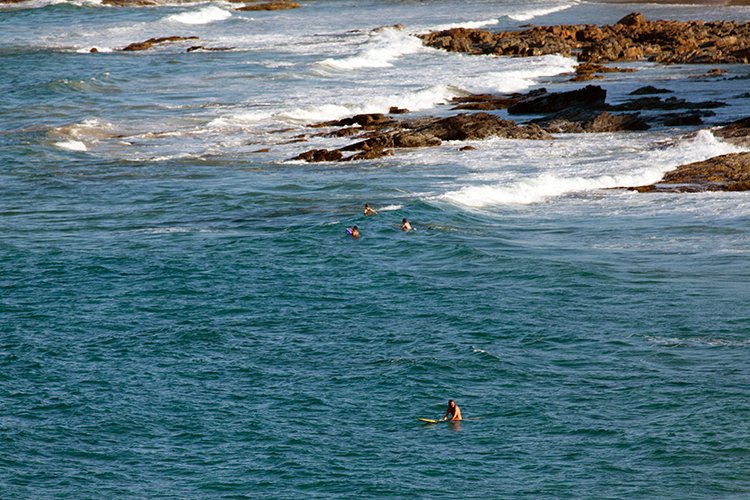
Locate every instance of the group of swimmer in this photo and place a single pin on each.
(369, 211)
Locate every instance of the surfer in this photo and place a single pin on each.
(369, 210)
(405, 226)
(353, 232)
(453, 412)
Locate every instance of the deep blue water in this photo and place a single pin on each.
(201, 327)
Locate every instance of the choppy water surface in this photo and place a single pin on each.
(182, 316)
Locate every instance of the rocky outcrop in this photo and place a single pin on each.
(591, 71)
(737, 132)
(383, 138)
(270, 6)
(318, 155)
(147, 44)
(576, 121)
(632, 38)
(721, 173)
(670, 103)
(589, 97)
(649, 90)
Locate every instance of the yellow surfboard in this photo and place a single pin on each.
(427, 420)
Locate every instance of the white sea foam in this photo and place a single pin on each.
(466, 24)
(71, 145)
(414, 101)
(205, 15)
(537, 12)
(390, 208)
(379, 52)
(239, 120)
(646, 170)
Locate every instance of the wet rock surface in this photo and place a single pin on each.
(270, 6)
(729, 172)
(632, 38)
(147, 44)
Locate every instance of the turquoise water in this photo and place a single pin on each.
(180, 317)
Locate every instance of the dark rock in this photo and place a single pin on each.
(467, 148)
(650, 89)
(263, 150)
(659, 103)
(577, 120)
(681, 119)
(94, 50)
(721, 173)
(318, 155)
(270, 6)
(589, 97)
(147, 44)
(395, 110)
(201, 48)
(363, 120)
(371, 154)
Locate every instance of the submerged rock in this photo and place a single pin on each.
(650, 89)
(729, 172)
(147, 44)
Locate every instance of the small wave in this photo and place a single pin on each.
(467, 24)
(390, 208)
(205, 15)
(696, 341)
(541, 11)
(538, 189)
(239, 120)
(414, 101)
(381, 50)
(71, 145)
(166, 230)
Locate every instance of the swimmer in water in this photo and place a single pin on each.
(369, 210)
(354, 232)
(405, 226)
(453, 412)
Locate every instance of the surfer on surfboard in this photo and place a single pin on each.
(353, 231)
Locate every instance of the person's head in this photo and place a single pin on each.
(404, 221)
(355, 228)
(451, 404)
(367, 206)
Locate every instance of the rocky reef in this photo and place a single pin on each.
(632, 38)
(729, 172)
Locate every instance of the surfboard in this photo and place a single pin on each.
(427, 420)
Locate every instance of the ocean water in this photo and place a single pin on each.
(182, 316)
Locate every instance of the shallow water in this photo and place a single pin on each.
(182, 317)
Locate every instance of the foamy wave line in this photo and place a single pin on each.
(531, 14)
(545, 186)
(383, 48)
(700, 341)
(205, 15)
(414, 101)
(466, 24)
(71, 145)
(390, 208)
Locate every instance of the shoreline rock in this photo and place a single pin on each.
(730, 172)
(632, 38)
